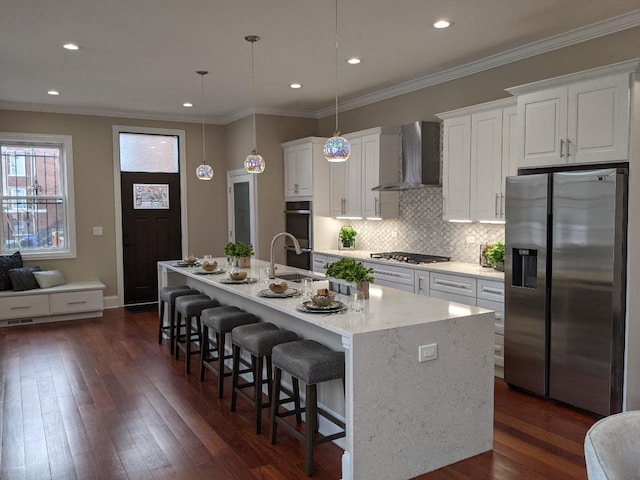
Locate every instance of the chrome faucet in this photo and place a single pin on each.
(296, 245)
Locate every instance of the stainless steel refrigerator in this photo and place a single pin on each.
(565, 282)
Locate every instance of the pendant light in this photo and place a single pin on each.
(204, 171)
(254, 163)
(337, 148)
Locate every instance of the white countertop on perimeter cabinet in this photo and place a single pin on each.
(458, 268)
(396, 405)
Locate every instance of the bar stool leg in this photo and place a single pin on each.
(275, 404)
(178, 333)
(257, 383)
(161, 322)
(310, 413)
(234, 376)
(204, 349)
(220, 338)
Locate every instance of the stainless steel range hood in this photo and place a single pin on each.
(420, 157)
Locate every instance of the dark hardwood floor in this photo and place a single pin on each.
(100, 399)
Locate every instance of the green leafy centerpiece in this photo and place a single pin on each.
(346, 274)
(239, 252)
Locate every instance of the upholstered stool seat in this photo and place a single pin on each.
(221, 320)
(189, 308)
(168, 295)
(258, 339)
(612, 447)
(312, 363)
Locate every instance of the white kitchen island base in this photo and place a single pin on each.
(403, 417)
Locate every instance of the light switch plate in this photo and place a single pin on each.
(97, 231)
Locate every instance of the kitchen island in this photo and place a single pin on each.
(403, 417)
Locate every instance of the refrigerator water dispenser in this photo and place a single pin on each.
(525, 268)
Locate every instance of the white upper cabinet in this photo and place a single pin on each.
(374, 160)
(578, 118)
(477, 156)
(456, 174)
(299, 156)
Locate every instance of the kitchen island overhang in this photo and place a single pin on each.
(403, 417)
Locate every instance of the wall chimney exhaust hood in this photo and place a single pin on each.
(420, 157)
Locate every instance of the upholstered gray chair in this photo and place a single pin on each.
(612, 448)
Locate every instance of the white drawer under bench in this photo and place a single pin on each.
(70, 301)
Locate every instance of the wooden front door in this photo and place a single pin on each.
(151, 230)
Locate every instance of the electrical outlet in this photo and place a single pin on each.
(394, 234)
(471, 239)
(427, 352)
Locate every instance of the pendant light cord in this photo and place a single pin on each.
(253, 98)
(202, 74)
(336, 130)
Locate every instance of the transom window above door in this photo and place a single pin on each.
(150, 153)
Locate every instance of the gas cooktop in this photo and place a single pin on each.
(405, 257)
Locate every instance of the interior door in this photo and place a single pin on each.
(241, 201)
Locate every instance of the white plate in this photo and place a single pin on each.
(217, 271)
(245, 280)
(309, 307)
(289, 292)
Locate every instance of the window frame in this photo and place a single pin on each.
(67, 191)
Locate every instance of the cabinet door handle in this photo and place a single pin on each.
(444, 205)
(295, 188)
(492, 290)
(561, 148)
(447, 283)
(495, 206)
(343, 205)
(376, 210)
(497, 349)
(79, 302)
(568, 148)
(25, 307)
(502, 205)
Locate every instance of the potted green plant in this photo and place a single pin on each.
(495, 255)
(240, 252)
(347, 236)
(349, 274)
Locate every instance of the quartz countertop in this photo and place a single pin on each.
(386, 308)
(457, 268)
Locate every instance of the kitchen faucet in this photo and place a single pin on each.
(296, 245)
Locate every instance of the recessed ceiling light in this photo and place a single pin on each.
(187, 104)
(71, 46)
(442, 24)
(53, 92)
(296, 85)
(353, 61)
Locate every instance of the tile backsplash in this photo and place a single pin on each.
(420, 229)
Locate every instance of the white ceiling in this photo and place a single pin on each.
(139, 57)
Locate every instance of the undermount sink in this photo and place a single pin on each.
(297, 277)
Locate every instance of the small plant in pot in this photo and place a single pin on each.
(347, 236)
(351, 272)
(240, 252)
(495, 255)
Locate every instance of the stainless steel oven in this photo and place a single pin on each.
(298, 223)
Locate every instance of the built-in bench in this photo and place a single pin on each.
(71, 301)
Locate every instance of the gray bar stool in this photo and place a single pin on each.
(168, 295)
(221, 320)
(258, 339)
(189, 308)
(312, 363)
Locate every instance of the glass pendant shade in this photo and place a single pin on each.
(337, 148)
(204, 172)
(254, 163)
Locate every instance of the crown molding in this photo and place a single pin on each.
(265, 110)
(572, 37)
(65, 109)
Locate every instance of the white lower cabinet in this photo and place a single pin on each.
(456, 288)
(392, 276)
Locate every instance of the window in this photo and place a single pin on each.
(37, 195)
